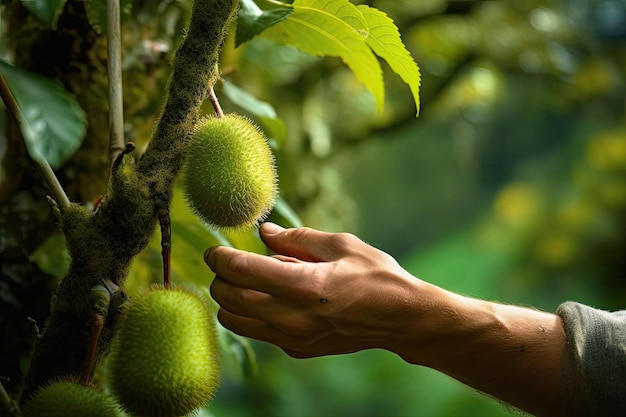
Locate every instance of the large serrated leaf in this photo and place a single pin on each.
(46, 10)
(384, 39)
(332, 28)
(256, 16)
(53, 123)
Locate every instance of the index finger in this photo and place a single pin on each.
(252, 270)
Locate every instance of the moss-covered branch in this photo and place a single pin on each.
(195, 72)
(102, 243)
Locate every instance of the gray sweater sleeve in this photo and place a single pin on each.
(595, 360)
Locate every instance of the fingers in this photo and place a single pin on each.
(279, 331)
(308, 244)
(304, 346)
(242, 301)
(250, 270)
(249, 327)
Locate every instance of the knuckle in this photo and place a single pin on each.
(312, 287)
(315, 284)
(303, 330)
(345, 242)
(298, 235)
(238, 263)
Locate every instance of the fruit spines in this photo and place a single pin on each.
(230, 177)
(67, 398)
(165, 359)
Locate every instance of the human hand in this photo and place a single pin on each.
(331, 293)
(321, 294)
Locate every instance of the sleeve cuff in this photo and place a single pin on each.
(594, 364)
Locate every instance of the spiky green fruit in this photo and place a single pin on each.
(230, 178)
(70, 399)
(164, 361)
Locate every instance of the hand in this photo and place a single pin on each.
(322, 294)
(325, 293)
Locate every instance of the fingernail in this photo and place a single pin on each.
(207, 253)
(270, 228)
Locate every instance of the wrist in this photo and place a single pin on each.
(440, 325)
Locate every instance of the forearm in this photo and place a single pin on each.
(509, 352)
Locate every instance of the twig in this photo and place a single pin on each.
(114, 69)
(216, 103)
(46, 172)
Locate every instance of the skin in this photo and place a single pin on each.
(331, 293)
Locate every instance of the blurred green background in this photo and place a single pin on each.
(509, 186)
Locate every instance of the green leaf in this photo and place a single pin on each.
(384, 39)
(53, 123)
(332, 28)
(189, 241)
(52, 256)
(263, 110)
(46, 10)
(240, 350)
(284, 214)
(255, 17)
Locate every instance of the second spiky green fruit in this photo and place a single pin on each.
(70, 399)
(230, 176)
(164, 361)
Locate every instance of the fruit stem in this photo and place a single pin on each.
(166, 244)
(101, 299)
(97, 324)
(216, 104)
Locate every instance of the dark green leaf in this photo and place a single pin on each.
(284, 215)
(46, 10)
(256, 16)
(53, 123)
(52, 256)
(240, 350)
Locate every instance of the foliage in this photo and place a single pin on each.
(337, 28)
(53, 122)
(255, 17)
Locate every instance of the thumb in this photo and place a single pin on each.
(302, 243)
